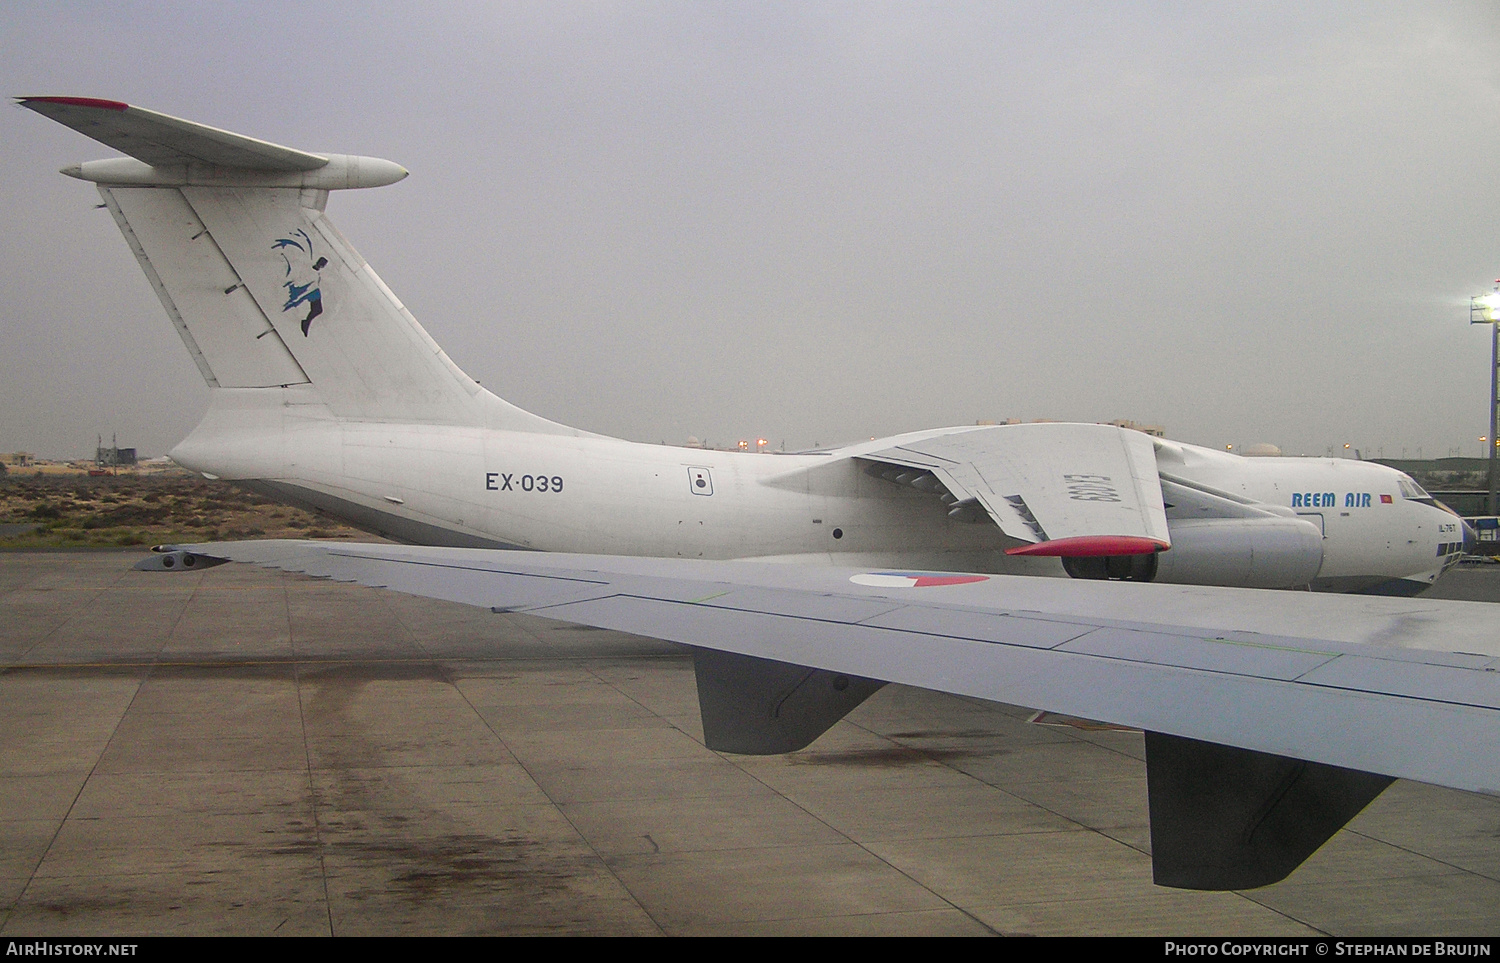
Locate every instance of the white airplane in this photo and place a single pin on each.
(1271, 719)
(328, 393)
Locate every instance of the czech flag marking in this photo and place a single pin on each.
(914, 579)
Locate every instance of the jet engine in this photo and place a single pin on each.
(1268, 552)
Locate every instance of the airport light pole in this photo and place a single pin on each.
(1486, 310)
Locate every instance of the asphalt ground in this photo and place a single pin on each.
(234, 751)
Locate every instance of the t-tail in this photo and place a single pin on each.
(279, 312)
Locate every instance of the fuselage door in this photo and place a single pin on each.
(700, 481)
(1316, 518)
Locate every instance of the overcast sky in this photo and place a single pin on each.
(819, 222)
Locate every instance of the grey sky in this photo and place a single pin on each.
(820, 222)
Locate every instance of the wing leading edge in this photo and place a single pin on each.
(1292, 719)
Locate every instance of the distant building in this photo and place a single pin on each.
(1415, 466)
(1460, 483)
(114, 456)
(1155, 431)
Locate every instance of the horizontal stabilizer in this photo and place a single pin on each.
(165, 141)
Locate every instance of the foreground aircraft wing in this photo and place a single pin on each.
(1271, 718)
(1066, 490)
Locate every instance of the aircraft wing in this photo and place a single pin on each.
(1404, 687)
(1065, 489)
(1271, 718)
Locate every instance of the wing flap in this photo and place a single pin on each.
(1088, 490)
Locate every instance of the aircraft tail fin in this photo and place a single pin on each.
(262, 288)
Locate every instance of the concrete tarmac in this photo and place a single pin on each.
(235, 751)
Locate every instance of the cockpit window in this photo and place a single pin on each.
(1410, 489)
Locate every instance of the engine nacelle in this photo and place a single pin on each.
(1244, 552)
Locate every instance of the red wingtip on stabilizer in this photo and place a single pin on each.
(76, 102)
